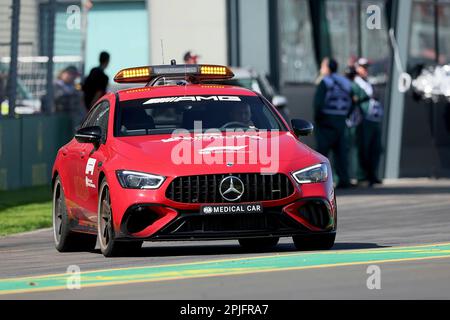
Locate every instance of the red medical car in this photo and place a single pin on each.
(179, 159)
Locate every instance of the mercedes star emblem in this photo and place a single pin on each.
(231, 188)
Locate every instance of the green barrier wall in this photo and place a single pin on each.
(10, 154)
(28, 146)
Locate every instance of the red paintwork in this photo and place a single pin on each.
(149, 154)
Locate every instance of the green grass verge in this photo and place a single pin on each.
(25, 210)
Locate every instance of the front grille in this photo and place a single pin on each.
(205, 188)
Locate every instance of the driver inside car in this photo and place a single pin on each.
(241, 114)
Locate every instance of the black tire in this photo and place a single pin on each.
(259, 243)
(315, 241)
(109, 246)
(65, 239)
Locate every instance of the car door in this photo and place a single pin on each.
(92, 161)
(86, 169)
(72, 184)
(75, 192)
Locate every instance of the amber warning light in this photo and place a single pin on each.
(189, 72)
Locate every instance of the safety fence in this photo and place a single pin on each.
(28, 146)
(38, 40)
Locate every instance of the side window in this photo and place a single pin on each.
(88, 120)
(99, 117)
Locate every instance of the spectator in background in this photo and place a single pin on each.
(67, 98)
(369, 131)
(96, 83)
(332, 105)
(190, 58)
(324, 70)
(354, 117)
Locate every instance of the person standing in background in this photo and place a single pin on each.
(190, 58)
(369, 131)
(96, 83)
(354, 119)
(67, 98)
(324, 70)
(332, 105)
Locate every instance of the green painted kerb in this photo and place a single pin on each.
(277, 262)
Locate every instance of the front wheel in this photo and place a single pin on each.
(314, 241)
(109, 246)
(65, 239)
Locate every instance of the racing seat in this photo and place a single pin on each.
(136, 119)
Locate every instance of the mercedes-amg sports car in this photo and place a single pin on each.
(178, 159)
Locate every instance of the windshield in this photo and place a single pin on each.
(163, 115)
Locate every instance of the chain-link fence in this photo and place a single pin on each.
(40, 44)
(39, 39)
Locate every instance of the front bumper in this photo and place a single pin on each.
(150, 215)
(155, 222)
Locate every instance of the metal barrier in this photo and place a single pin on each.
(28, 146)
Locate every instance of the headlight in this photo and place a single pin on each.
(139, 180)
(313, 174)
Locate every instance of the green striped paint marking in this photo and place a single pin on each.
(275, 262)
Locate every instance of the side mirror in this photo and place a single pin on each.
(302, 127)
(89, 135)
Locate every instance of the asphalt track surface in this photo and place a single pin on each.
(402, 227)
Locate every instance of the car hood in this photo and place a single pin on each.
(187, 154)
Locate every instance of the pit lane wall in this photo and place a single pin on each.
(28, 146)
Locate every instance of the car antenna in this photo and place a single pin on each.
(185, 78)
(162, 50)
(162, 55)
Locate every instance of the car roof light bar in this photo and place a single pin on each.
(191, 72)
